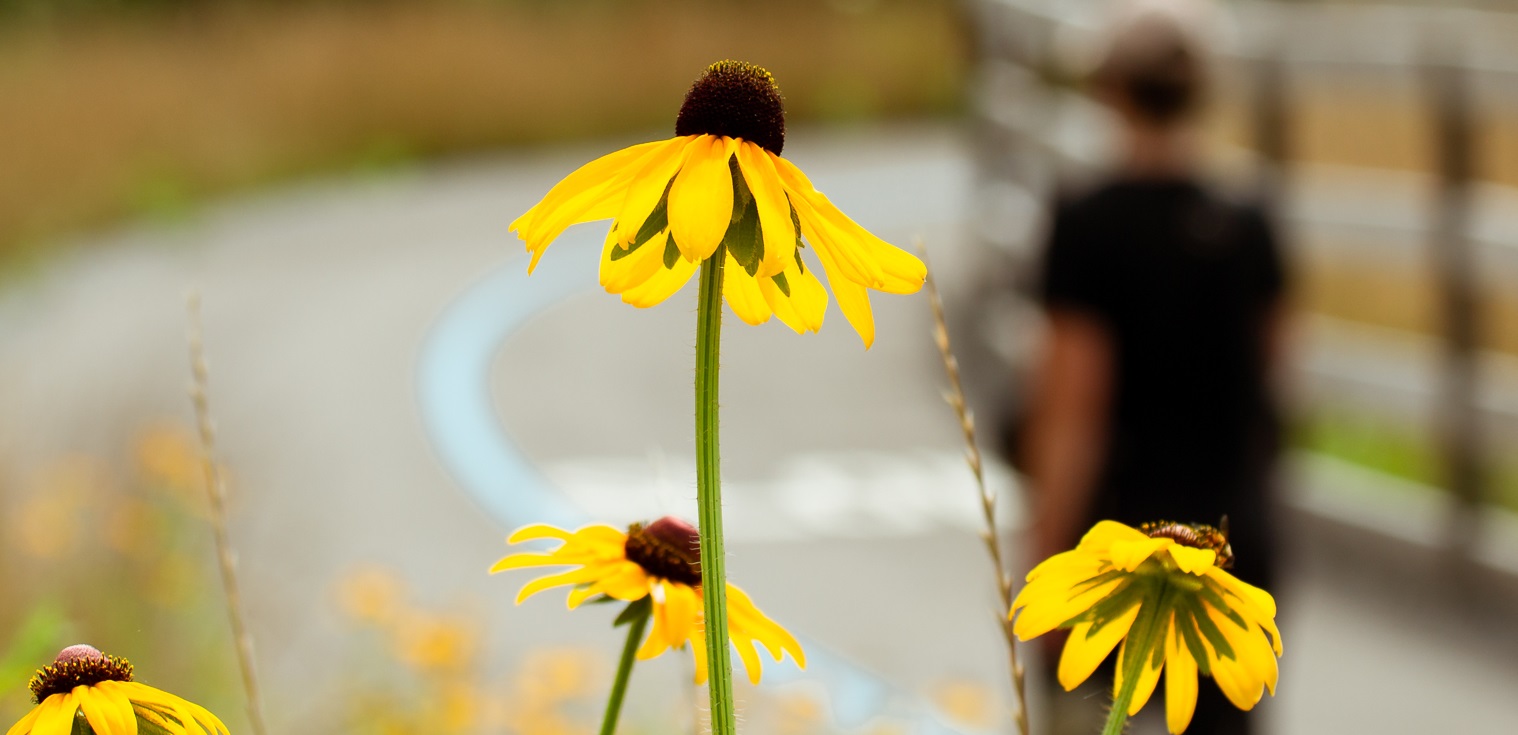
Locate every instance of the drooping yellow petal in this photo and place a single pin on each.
(1251, 651)
(106, 711)
(828, 229)
(1180, 682)
(537, 531)
(1084, 650)
(742, 293)
(900, 271)
(661, 285)
(583, 196)
(573, 576)
(55, 715)
(606, 168)
(1148, 677)
(648, 184)
(747, 618)
(1101, 536)
(701, 199)
(806, 305)
(522, 561)
(698, 652)
(622, 270)
(1128, 555)
(1046, 607)
(853, 299)
(1192, 561)
(24, 725)
(774, 209)
(628, 583)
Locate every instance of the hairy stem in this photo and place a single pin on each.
(624, 673)
(709, 496)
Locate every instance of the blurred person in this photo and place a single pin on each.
(1164, 304)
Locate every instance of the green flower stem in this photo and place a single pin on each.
(624, 671)
(709, 496)
(1147, 632)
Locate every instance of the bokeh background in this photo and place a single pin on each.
(393, 395)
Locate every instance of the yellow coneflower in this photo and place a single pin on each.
(85, 684)
(721, 181)
(661, 561)
(1163, 592)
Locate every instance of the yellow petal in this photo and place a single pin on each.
(661, 285)
(628, 583)
(1147, 680)
(1101, 536)
(599, 171)
(1180, 682)
(701, 199)
(900, 271)
(107, 711)
(1077, 562)
(24, 725)
(804, 308)
(573, 576)
(537, 531)
(630, 269)
(1192, 561)
(698, 652)
(742, 293)
(1128, 555)
(853, 300)
(1083, 654)
(595, 191)
(748, 619)
(648, 184)
(774, 209)
(520, 561)
(829, 229)
(1046, 607)
(57, 719)
(683, 610)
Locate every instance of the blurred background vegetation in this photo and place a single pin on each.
(117, 107)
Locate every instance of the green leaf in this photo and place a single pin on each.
(671, 253)
(658, 220)
(1209, 629)
(639, 608)
(745, 241)
(782, 284)
(1210, 592)
(1187, 626)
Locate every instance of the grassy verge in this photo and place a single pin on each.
(1395, 450)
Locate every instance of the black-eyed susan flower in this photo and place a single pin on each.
(721, 186)
(660, 561)
(1164, 594)
(84, 687)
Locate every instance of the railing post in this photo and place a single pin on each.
(1458, 416)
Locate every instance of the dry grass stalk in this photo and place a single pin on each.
(216, 492)
(956, 399)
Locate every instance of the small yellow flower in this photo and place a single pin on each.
(662, 560)
(721, 180)
(1170, 577)
(86, 684)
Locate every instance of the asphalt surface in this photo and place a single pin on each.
(364, 333)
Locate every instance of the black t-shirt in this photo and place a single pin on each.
(1182, 279)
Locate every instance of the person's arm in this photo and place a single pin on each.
(1067, 431)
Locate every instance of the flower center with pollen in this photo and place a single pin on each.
(669, 548)
(738, 100)
(1196, 536)
(79, 665)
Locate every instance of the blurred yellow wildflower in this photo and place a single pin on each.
(371, 594)
(721, 182)
(661, 560)
(435, 642)
(84, 681)
(1163, 591)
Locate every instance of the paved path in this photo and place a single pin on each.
(358, 329)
